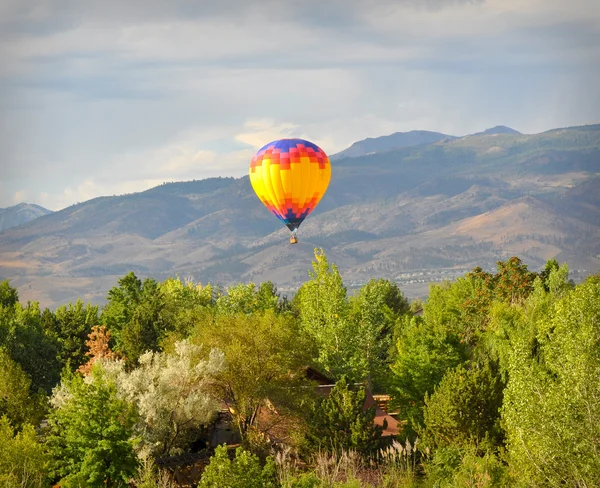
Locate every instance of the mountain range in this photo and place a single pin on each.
(20, 214)
(393, 141)
(413, 207)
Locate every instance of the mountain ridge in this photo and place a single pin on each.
(389, 142)
(20, 214)
(432, 211)
(498, 129)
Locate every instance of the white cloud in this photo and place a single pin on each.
(259, 132)
(89, 189)
(19, 196)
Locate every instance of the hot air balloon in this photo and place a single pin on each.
(290, 176)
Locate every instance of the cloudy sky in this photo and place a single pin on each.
(103, 97)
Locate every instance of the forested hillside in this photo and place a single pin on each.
(492, 381)
(411, 214)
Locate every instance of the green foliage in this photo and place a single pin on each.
(552, 400)
(186, 303)
(135, 315)
(479, 288)
(244, 471)
(351, 483)
(451, 467)
(464, 408)
(8, 295)
(513, 282)
(23, 462)
(186, 294)
(416, 306)
(247, 299)
(23, 337)
(90, 434)
(424, 354)
(339, 421)
(324, 315)
(265, 358)
(353, 337)
(270, 299)
(447, 310)
(375, 310)
(441, 467)
(457, 326)
(16, 401)
(70, 326)
(240, 299)
(485, 471)
(506, 357)
(304, 480)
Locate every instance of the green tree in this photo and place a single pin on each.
(464, 408)
(135, 316)
(376, 309)
(185, 294)
(449, 308)
(425, 354)
(477, 295)
(551, 408)
(248, 299)
(244, 471)
(268, 298)
(474, 294)
(186, 303)
(266, 359)
(461, 322)
(239, 299)
(339, 421)
(90, 432)
(22, 336)
(514, 282)
(16, 401)
(324, 313)
(70, 327)
(23, 461)
(8, 295)
(122, 302)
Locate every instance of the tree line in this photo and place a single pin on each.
(494, 379)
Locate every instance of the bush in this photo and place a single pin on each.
(339, 422)
(244, 471)
(451, 467)
(464, 408)
(23, 462)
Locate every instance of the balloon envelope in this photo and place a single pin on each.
(290, 176)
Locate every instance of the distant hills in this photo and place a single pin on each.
(415, 213)
(385, 143)
(20, 214)
(374, 145)
(499, 129)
